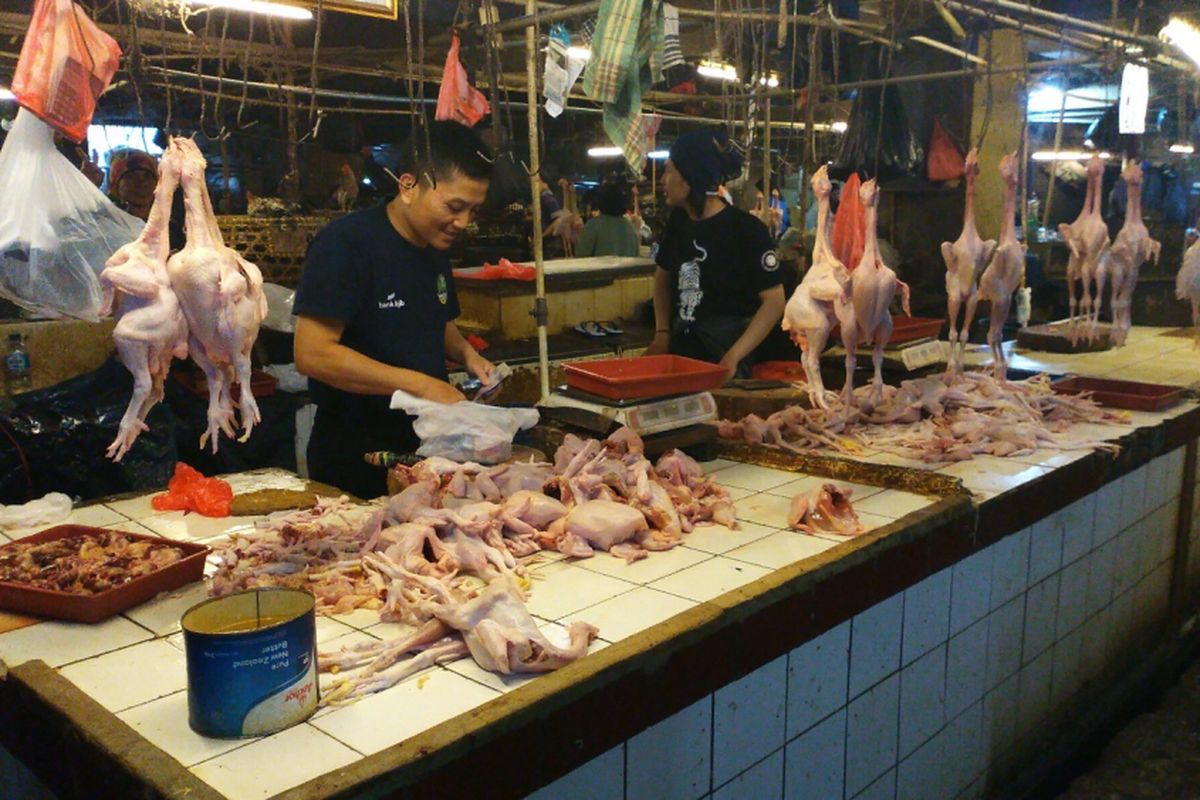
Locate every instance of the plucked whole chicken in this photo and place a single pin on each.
(821, 299)
(872, 288)
(1123, 260)
(1187, 285)
(965, 260)
(151, 328)
(1086, 237)
(1006, 271)
(222, 297)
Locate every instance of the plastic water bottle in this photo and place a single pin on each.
(17, 367)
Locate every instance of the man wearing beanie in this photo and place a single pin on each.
(717, 289)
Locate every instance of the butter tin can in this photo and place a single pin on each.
(251, 662)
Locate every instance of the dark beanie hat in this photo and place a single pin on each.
(705, 159)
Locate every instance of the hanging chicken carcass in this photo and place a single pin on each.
(222, 297)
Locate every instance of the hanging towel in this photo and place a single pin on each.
(626, 37)
(672, 51)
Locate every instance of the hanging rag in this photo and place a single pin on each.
(561, 71)
(458, 100)
(624, 40)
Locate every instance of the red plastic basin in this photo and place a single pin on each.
(648, 376)
(1130, 395)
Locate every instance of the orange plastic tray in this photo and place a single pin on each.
(101, 606)
(1129, 395)
(648, 376)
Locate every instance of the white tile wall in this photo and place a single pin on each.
(922, 699)
(602, 778)
(966, 668)
(1072, 596)
(1034, 691)
(971, 589)
(883, 788)
(764, 779)
(1010, 567)
(1045, 548)
(875, 644)
(1108, 512)
(926, 615)
(921, 774)
(816, 761)
(1078, 523)
(1000, 717)
(672, 760)
(748, 720)
(1004, 641)
(1133, 497)
(1102, 565)
(871, 734)
(1041, 610)
(817, 677)
(240, 775)
(964, 749)
(1067, 677)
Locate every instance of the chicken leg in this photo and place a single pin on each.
(1187, 286)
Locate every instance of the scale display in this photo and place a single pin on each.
(654, 416)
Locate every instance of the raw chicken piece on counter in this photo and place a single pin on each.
(937, 419)
(447, 553)
(825, 509)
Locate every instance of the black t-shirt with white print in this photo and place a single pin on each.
(719, 264)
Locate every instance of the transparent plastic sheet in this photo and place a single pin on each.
(464, 431)
(56, 228)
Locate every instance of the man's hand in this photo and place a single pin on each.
(658, 345)
(442, 392)
(730, 366)
(481, 368)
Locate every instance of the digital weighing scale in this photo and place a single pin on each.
(644, 416)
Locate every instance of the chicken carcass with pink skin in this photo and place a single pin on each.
(821, 300)
(608, 525)
(1122, 262)
(1187, 285)
(965, 261)
(151, 328)
(872, 288)
(222, 298)
(1086, 237)
(825, 509)
(1006, 272)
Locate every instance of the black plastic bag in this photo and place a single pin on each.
(63, 431)
(887, 152)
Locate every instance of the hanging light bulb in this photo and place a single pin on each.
(256, 7)
(1183, 35)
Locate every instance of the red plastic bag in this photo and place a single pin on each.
(505, 270)
(457, 98)
(945, 162)
(66, 63)
(848, 224)
(189, 490)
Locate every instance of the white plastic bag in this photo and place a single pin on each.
(279, 308)
(464, 431)
(52, 508)
(56, 228)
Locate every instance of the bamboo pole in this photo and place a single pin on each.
(540, 311)
(1065, 20)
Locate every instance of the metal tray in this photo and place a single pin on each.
(1129, 395)
(101, 606)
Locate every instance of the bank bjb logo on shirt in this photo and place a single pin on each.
(770, 261)
(391, 301)
(442, 292)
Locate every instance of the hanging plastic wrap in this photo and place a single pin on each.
(56, 228)
(883, 152)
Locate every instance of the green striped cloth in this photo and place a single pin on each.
(629, 34)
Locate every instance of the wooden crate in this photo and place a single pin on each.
(276, 244)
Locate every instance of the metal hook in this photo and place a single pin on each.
(528, 171)
(485, 158)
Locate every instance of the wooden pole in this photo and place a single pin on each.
(540, 310)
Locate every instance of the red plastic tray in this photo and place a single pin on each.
(1122, 394)
(101, 606)
(648, 376)
(905, 329)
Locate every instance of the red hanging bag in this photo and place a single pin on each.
(848, 222)
(66, 63)
(945, 162)
(458, 100)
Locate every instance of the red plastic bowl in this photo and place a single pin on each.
(96, 607)
(648, 376)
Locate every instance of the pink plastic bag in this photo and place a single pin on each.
(66, 63)
(458, 100)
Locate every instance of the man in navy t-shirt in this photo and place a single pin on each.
(376, 308)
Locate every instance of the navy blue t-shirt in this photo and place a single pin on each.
(394, 297)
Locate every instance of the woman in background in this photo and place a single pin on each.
(610, 233)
